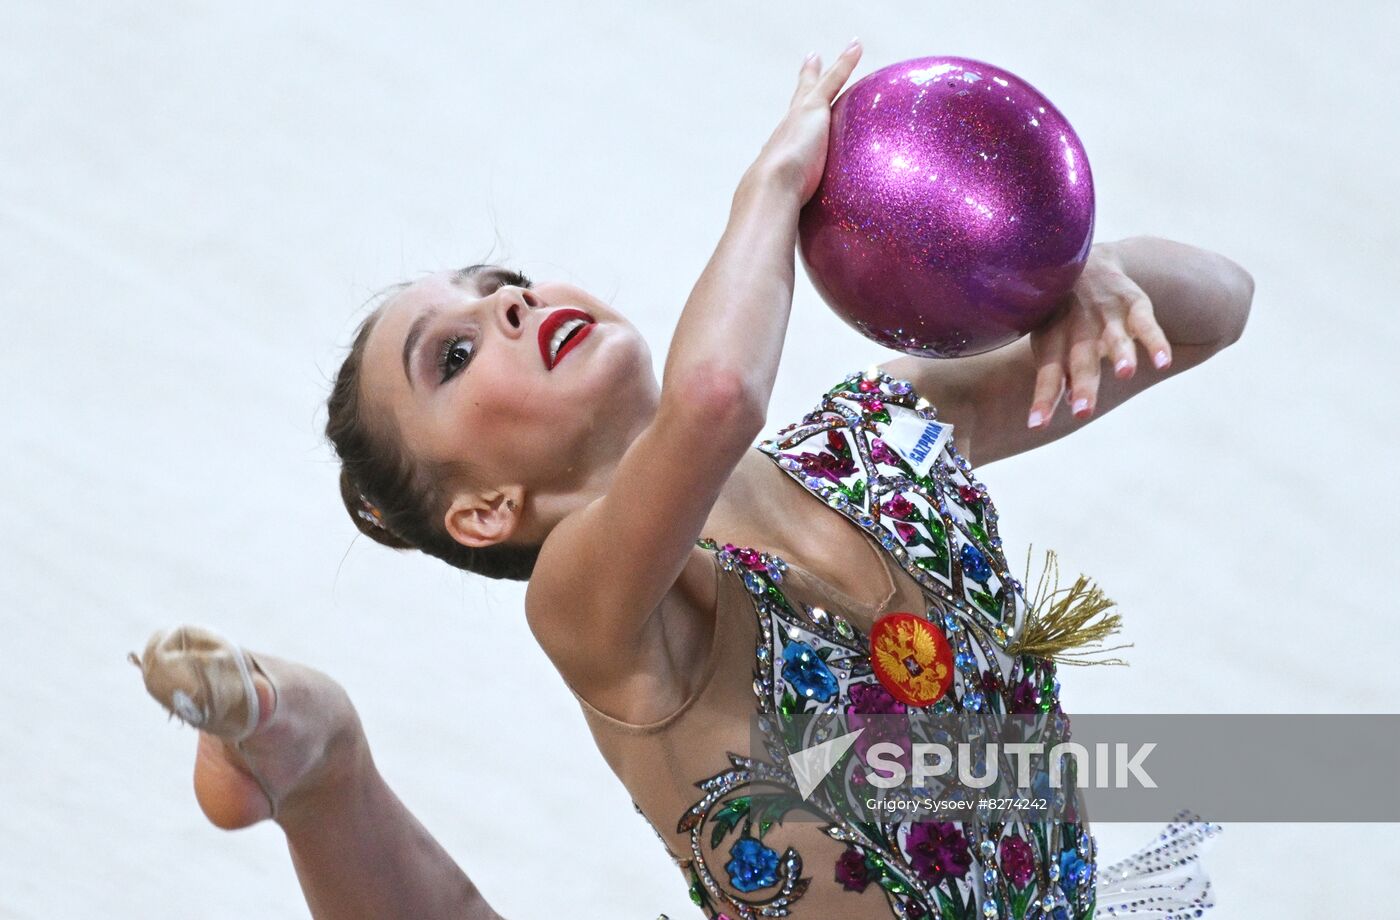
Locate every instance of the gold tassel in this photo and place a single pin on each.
(1059, 620)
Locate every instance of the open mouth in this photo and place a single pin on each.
(560, 332)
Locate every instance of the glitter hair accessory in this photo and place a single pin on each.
(370, 514)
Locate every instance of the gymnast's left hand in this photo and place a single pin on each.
(1105, 316)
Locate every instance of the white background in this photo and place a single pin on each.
(196, 197)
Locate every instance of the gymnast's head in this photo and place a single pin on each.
(476, 409)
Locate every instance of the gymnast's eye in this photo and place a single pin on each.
(519, 279)
(456, 354)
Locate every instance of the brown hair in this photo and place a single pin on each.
(393, 498)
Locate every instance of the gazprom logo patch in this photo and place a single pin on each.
(928, 440)
(918, 440)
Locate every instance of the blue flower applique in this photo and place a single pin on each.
(974, 563)
(804, 669)
(752, 866)
(1072, 868)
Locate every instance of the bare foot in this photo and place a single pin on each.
(254, 760)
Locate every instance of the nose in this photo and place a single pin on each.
(510, 312)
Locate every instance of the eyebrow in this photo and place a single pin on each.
(410, 342)
(472, 271)
(415, 331)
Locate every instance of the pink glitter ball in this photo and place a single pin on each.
(956, 210)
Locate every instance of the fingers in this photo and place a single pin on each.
(806, 77)
(1050, 345)
(1106, 321)
(831, 82)
(1084, 361)
(1142, 324)
(1117, 346)
(824, 87)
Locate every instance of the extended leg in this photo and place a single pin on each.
(294, 750)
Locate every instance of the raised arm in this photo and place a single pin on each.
(1151, 307)
(629, 546)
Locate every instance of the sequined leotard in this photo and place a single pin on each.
(788, 645)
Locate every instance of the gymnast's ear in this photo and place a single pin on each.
(480, 519)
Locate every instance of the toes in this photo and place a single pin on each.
(206, 681)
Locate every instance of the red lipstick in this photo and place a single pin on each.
(560, 331)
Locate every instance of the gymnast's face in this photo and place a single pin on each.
(535, 389)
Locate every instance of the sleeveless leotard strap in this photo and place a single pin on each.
(879, 455)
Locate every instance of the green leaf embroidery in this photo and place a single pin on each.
(1020, 902)
(986, 602)
(727, 818)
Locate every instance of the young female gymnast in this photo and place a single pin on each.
(685, 583)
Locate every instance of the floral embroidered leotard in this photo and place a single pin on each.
(789, 647)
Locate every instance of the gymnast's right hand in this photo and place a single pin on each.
(796, 153)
